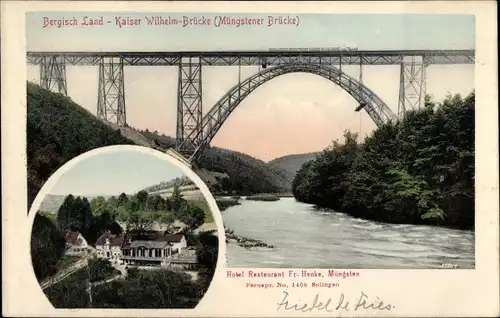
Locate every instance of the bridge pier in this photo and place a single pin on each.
(189, 105)
(111, 93)
(53, 74)
(412, 84)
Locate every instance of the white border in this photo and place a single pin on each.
(416, 292)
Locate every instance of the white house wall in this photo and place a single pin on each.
(84, 243)
(180, 245)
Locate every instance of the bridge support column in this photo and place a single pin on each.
(412, 85)
(360, 89)
(189, 106)
(53, 74)
(111, 94)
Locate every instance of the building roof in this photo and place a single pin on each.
(158, 236)
(149, 238)
(149, 244)
(114, 239)
(73, 238)
(173, 238)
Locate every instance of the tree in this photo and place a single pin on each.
(139, 221)
(115, 228)
(418, 170)
(96, 204)
(63, 214)
(149, 289)
(122, 214)
(192, 215)
(141, 197)
(207, 248)
(75, 214)
(167, 219)
(100, 269)
(132, 205)
(83, 215)
(47, 247)
(155, 203)
(176, 200)
(100, 224)
(122, 199)
(112, 201)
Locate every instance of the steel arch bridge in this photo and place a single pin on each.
(194, 143)
(195, 131)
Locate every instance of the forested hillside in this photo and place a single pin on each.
(57, 131)
(245, 174)
(291, 164)
(419, 170)
(177, 182)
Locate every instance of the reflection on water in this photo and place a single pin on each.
(310, 238)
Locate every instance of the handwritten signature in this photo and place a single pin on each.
(328, 305)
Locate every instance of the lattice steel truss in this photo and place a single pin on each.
(53, 74)
(412, 86)
(244, 58)
(379, 112)
(189, 105)
(111, 94)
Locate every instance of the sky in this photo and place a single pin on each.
(115, 172)
(294, 113)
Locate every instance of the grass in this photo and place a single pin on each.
(203, 204)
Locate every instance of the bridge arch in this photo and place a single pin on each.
(200, 138)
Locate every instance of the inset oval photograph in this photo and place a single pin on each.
(124, 227)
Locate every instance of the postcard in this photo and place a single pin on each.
(250, 159)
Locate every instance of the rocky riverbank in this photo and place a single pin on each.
(245, 242)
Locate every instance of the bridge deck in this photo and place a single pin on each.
(268, 57)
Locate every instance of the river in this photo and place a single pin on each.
(307, 237)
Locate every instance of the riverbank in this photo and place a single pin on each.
(224, 203)
(387, 220)
(245, 242)
(268, 198)
(207, 227)
(306, 237)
